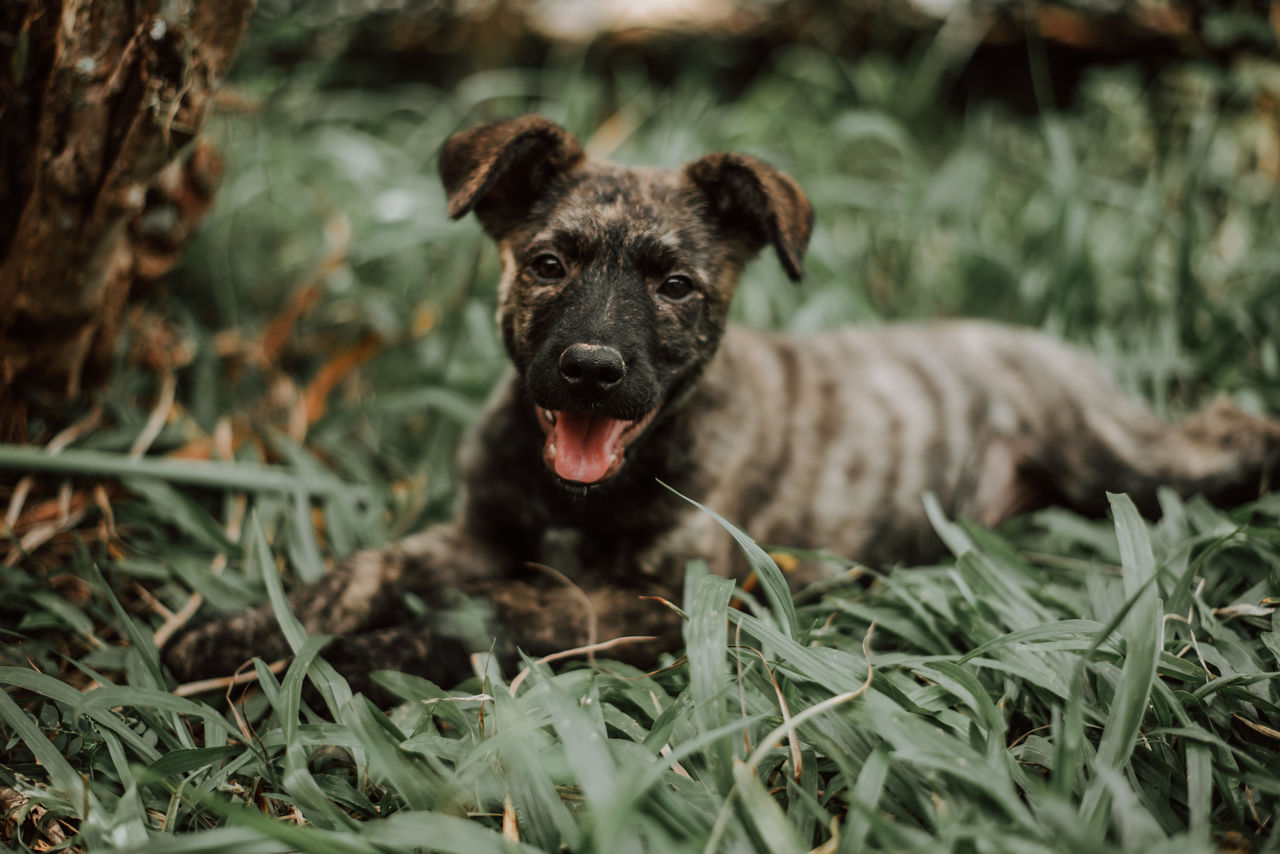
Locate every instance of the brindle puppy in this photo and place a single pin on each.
(616, 284)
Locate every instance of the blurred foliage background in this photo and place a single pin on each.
(1107, 173)
(1105, 170)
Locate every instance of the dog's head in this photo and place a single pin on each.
(616, 281)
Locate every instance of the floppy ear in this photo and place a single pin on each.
(500, 169)
(751, 199)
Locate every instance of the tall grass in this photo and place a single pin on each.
(1062, 684)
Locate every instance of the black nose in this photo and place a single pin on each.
(592, 369)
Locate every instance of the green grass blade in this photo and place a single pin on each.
(952, 535)
(411, 778)
(64, 778)
(584, 738)
(707, 603)
(238, 476)
(301, 838)
(1143, 628)
(182, 761)
(65, 695)
(865, 796)
(407, 831)
(217, 730)
(771, 577)
(1199, 789)
(332, 687)
(240, 840)
(776, 832)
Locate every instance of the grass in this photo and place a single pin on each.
(1062, 684)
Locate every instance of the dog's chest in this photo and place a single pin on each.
(561, 549)
(619, 533)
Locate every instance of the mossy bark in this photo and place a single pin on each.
(100, 182)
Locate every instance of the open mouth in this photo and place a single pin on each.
(587, 447)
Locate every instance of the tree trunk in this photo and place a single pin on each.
(98, 99)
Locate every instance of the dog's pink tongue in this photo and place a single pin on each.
(585, 445)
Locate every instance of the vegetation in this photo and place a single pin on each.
(1067, 684)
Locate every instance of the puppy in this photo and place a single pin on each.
(613, 305)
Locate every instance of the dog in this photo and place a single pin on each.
(627, 378)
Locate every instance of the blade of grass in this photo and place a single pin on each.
(410, 830)
(65, 780)
(771, 577)
(65, 695)
(216, 728)
(301, 838)
(952, 535)
(763, 811)
(865, 796)
(332, 687)
(1143, 628)
(220, 475)
(707, 603)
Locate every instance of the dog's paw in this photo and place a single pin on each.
(221, 646)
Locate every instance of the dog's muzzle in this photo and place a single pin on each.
(584, 444)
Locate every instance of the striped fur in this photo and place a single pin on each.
(827, 442)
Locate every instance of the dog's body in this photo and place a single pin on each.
(613, 304)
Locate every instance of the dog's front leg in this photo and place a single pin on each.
(542, 616)
(363, 604)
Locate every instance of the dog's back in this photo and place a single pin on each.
(831, 440)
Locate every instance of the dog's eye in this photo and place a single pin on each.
(548, 267)
(676, 289)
